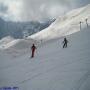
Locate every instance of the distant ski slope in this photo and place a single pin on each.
(65, 25)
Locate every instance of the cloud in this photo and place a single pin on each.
(11, 9)
(27, 10)
(3, 8)
(42, 9)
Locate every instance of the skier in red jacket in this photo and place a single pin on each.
(33, 50)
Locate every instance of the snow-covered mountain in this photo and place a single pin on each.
(16, 29)
(65, 25)
(52, 68)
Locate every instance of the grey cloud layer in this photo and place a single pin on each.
(41, 9)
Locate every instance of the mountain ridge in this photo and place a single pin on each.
(62, 25)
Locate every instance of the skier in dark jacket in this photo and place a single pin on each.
(33, 50)
(65, 43)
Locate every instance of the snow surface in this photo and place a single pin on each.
(53, 67)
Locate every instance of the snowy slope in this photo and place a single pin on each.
(53, 68)
(18, 44)
(65, 25)
(5, 41)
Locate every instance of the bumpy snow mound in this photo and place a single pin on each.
(65, 25)
(23, 44)
(18, 44)
(5, 41)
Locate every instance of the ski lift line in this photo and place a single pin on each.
(80, 23)
(77, 23)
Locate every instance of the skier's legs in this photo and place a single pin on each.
(33, 51)
(64, 45)
(32, 54)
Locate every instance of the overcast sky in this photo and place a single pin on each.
(27, 10)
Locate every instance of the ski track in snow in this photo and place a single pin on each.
(81, 81)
